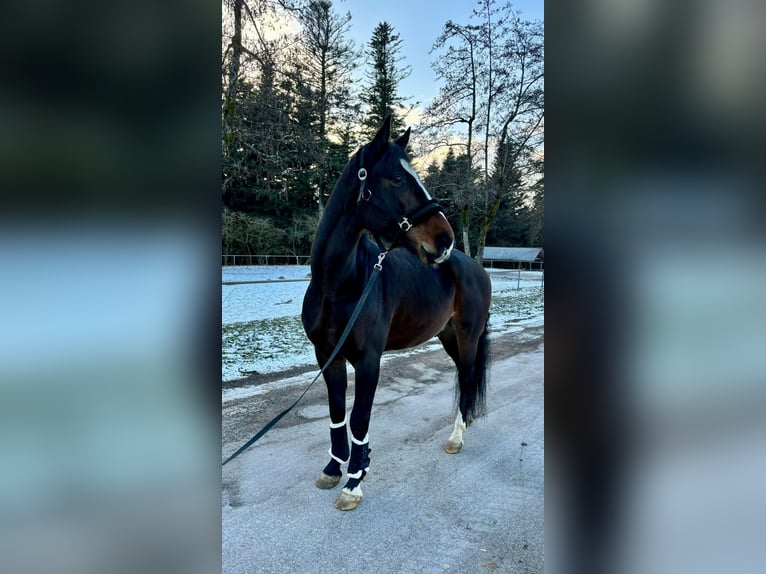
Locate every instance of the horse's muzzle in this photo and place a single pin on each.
(444, 245)
(433, 239)
(447, 244)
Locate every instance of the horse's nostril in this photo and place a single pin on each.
(443, 241)
(444, 244)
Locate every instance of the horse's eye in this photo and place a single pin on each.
(397, 179)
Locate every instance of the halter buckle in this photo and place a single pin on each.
(405, 224)
(362, 174)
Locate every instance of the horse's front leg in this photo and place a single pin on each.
(335, 377)
(367, 372)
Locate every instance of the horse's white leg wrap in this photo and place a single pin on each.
(338, 425)
(335, 458)
(365, 462)
(359, 462)
(358, 466)
(365, 440)
(339, 441)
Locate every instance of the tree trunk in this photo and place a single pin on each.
(490, 99)
(464, 222)
(486, 223)
(234, 65)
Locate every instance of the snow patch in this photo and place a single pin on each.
(262, 331)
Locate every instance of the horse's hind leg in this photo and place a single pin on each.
(449, 341)
(335, 377)
(469, 351)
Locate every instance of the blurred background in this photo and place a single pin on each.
(110, 294)
(655, 308)
(109, 287)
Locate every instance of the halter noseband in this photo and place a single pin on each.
(405, 221)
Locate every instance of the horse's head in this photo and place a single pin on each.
(394, 204)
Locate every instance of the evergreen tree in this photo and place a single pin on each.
(509, 195)
(267, 160)
(328, 64)
(537, 213)
(454, 186)
(380, 95)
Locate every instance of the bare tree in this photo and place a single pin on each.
(492, 76)
(457, 103)
(517, 125)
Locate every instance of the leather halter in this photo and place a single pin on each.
(403, 221)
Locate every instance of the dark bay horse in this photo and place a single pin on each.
(424, 289)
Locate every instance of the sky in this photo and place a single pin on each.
(418, 23)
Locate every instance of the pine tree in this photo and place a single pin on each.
(268, 150)
(537, 212)
(453, 184)
(380, 95)
(329, 61)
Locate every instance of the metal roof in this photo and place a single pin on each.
(511, 253)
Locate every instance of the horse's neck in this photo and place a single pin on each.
(335, 251)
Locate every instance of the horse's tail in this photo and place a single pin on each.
(476, 398)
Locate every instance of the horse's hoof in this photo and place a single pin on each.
(347, 501)
(453, 447)
(327, 481)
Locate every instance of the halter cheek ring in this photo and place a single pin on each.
(362, 175)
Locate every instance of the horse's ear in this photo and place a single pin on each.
(381, 138)
(404, 139)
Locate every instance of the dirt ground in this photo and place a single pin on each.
(423, 510)
(242, 418)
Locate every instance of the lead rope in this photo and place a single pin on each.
(376, 269)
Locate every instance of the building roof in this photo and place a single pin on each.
(511, 253)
